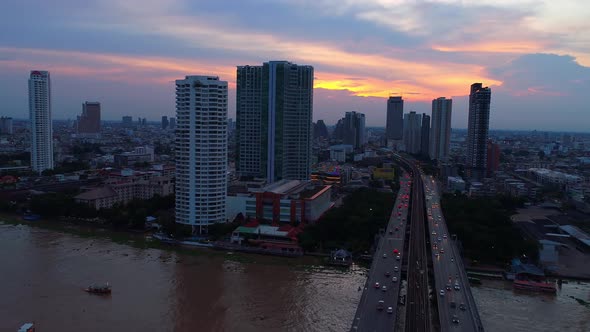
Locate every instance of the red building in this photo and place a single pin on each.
(493, 158)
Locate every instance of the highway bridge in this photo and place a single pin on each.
(444, 302)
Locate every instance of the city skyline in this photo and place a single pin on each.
(539, 68)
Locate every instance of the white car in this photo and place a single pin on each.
(389, 310)
(395, 268)
(442, 292)
(394, 279)
(398, 257)
(384, 288)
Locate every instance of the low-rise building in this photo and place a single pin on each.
(455, 183)
(285, 201)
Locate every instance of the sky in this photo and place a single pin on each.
(534, 55)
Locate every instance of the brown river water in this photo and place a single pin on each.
(43, 273)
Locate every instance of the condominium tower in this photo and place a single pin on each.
(89, 121)
(274, 121)
(201, 151)
(412, 132)
(440, 130)
(395, 118)
(40, 119)
(351, 129)
(477, 130)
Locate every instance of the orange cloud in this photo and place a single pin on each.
(494, 47)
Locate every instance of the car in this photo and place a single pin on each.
(452, 260)
(457, 287)
(433, 233)
(395, 251)
(377, 285)
(398, 257)
(391, 232)
(394, 279)
(387, 274)
(435, 254)
(444, 236)
(453, 305)
(448, 287)
(455, 319)
(395, 268)
(384, 288)
(389, 310)
(442, 250)
(462, 306)
(442, 292)
(380, 305)
(384, 255)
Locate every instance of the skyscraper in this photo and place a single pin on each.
(477, 130)
(201, 151)
(40, 118)
(440, 130)
(351, 129)
(274, 120)
(164, 122)
(89, 121)
(395, 118)
(425, 135)
(493, 158)
(172, 123)
(412, 132)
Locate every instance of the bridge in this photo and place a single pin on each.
(441, 303)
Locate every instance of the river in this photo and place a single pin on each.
(43, 273)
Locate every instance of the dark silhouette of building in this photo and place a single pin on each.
(440, 128)
(425, 135)
(165, 122)
(320, 130)
(350, 129)
(395, 118)
(477, 131)
(89, 121)
(127, 121)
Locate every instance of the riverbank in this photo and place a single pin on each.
(146, 241)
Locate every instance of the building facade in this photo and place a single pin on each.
(89, 121)
(40, 119)
(351, 130)
(395, 118)
(274, 109)
(412, 132)
(6, 126)
(165, 122)
(493, 158)
(440, 130)
(425, 135)
(201, 151)
(477, 130)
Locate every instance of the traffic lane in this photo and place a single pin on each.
(371, 318)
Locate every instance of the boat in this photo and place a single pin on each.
(536, 286)
(28, 327)
(99, 289)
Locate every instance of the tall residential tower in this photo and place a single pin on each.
(40, 118)
(477, 130)
(274, 121)
(201, 151)
(395, 118)
(440, 130)
(89, 121)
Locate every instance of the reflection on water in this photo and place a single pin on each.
(43, 273)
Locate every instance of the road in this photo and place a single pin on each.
(418, 305)
(385, 270)
(449, 272)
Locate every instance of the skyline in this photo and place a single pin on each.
(532, 54)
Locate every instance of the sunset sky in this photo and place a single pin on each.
(535, 55)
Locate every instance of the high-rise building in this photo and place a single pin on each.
(6, 125)
(201, 151)
(440, 130)
(89, 121)
(412, 132)
(320, 130)
(477, 130)
(274, 109)
(493, 158)
(351, 129)
(172, 123)
(165, 122)
(127, 121)
(395, 118)
(425, 135)
(40, 118)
